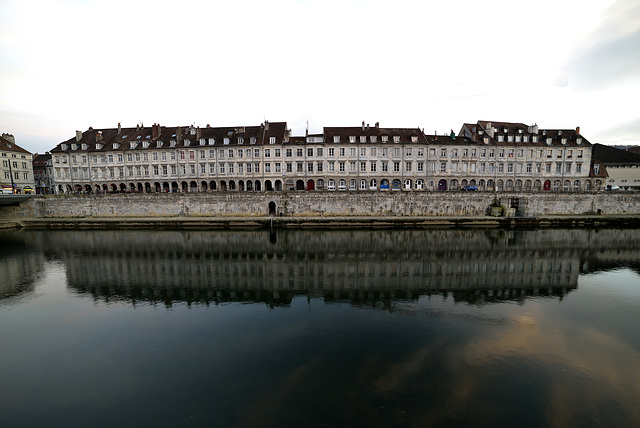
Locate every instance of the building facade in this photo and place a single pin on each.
(16, 172)
(43, 174)
(491, 156)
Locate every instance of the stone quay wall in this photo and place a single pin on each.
(301, 204)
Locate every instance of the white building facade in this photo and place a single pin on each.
(514, 157)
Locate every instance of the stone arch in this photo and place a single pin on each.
(272, 208)
(278, 186)
(268, 186)
(299, 184)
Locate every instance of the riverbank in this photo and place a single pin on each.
(321, 222)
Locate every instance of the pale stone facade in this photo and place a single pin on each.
(266, 158)
(16, 172)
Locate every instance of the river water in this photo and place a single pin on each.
(320, 328)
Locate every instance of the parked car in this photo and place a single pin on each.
(613, 187)
(472, 188)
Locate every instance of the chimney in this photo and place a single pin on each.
(577, 130)
(198, 133)
(78, 135)
(363, 126)
(119, 128)
(377, 125)
(9, 138)
(179, 135)
(208, 125)
(266, 125)
(154, 131)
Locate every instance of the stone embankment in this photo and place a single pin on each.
(324, 210)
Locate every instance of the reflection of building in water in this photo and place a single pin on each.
(358, 266)
(19, 267)
(363, 266)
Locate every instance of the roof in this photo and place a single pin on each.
(611, 156)
(8, 146)
(499, 134)
(157, 136)
(344, 132)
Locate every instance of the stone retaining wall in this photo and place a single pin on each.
(320, 203)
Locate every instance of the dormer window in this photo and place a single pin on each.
(352, 138)
(240, 140)
(202, 141)
(534, 138)
(226, 140)
(396, 138)
(212, 141)
(115, 145)
(272, 140)
(363, 138)
(510, 138)
(385, 138)
(336, 138)
(549, 141)
(74, 147)
(172, 143)
(85, 146)
(500, 138)
(414, 138)
(486, 140)
(187, 142)
(252, 140)
(525, 138)
(98, 146)
(133, 144)
(145, 144)
(373, 139)
(579, 141)
(63, 146)
(138, 137)
(564, 141)
(158, 143)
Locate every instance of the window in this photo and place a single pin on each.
(363, 151)
(267, 167)
(310, 167)
(578, 168)
(272, 140)
(230, 153)
(341, 166)
(256, 153)
(289, 167)
(299, 166)
(385, 166)
(454, 153)
(299, 153)
(396, 138)
(363, 139)
(267, 153)
(212, 168)
(396, 167)
(331, 166)
(420, 166)
(277, 153)
(309, 152)
(319, 151)
(408, 151)
(288, 153)
(596, 168)
(568, 168)
(529, 166)
(342, 151)
(407, 166)
(240, 140)
(352, 166)
(336, 138)
(319, 166)
(352, 151)
(500, 167)
(331, 152)
(372, 166)
(509, 167)
(501, 153)
(443, 153)
(278, 167)
(363, 167)
(558, 168)
(226, 140)
(443, 167)
(352, 138)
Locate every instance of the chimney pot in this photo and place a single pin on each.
(78, 135)
(577, 130)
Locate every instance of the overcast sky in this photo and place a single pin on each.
(70, 64)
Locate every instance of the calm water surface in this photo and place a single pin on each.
(301, 328)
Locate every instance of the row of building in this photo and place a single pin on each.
(485, 156)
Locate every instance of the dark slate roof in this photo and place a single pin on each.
(344, 132)
(611, 156)
(478, 132)
(158, 137)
